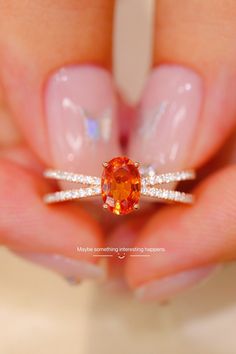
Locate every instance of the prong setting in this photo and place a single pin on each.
(105, 164)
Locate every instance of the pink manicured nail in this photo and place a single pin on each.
(72, 270)
(163, 289)
(168, 116)
(81, 117)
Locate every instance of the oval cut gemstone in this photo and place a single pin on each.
(121, 184)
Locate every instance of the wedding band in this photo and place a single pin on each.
(122, 184)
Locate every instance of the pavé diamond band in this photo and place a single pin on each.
(121, 185)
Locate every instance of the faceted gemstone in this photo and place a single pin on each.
(121, 185)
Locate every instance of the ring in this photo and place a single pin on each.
(122, 184)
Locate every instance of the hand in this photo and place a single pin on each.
(55, 80)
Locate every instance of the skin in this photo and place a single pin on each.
(31, 51)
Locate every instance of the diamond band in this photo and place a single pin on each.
(121, 186)
(168, 195)
(72, 177)
(169, 177)
(63, 196)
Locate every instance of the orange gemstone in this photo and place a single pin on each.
(121, 185)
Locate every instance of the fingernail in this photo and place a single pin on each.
(167, 117)
(72, 270)
(165, 288)
(81, 114)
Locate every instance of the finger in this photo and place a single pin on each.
(36, 83)
(55, 74)
(187, 110)
(9, 134)
(57, 83)
(227, 154)
(188, 106)
(196, 240)
(49, 237)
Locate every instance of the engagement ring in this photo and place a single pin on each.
(121, 185)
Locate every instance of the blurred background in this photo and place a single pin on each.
(40, 313)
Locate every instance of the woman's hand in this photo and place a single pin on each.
(55, 63)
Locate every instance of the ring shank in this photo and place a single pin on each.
(92, 187)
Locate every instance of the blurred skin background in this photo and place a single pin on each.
(40, 313)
